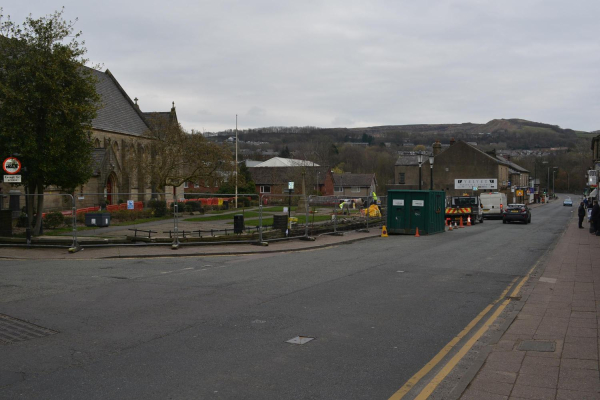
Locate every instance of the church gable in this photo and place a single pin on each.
(117, 113)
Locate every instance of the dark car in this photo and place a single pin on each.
(516, 212)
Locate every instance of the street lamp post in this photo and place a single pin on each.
(553, 172)
(431, 159)
(236, 163)
(420, 161)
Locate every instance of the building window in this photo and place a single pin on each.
(402, 178)
(196, 185)
(265, 189)
(339, 189)
(355, 189)
(185, 185)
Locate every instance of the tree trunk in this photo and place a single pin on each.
(40, 208)
(30, 189)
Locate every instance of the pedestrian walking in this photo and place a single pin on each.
(581, 214)
(585, 202)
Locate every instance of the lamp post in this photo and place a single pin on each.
(553, 172)
(236, 163)
(548, 179)
(420, 161)
(431, 159)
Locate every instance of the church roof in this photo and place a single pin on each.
(117, 112)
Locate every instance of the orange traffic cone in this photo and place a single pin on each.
(469, 220)
(449, 224)
(417, 234)
(384, 232)
(455, 225)
(461, 223)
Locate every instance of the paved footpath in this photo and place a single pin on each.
(561, 309)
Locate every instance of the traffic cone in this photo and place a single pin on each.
(461, 223)
(450, 226)
(384, 232)
(417, 234)
(455, 225)
(469, 220)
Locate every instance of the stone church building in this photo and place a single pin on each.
(120, 148)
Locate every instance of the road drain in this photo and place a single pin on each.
(300, 340)
(14, 330)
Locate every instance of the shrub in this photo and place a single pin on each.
(194, 205)
(53, 220)
(69, 221)
(159, 208)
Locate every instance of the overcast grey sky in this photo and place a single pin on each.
(346, 63)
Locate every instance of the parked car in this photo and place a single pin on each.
(516, 212)
(568, 202)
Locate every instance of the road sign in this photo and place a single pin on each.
(519, 193)
(12, 178)
(291, 185)
(480, 183)
(130, 205)
(11, 165)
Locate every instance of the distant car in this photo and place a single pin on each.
(568, 202)
(516, 212)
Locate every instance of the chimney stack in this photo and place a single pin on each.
(437, 148)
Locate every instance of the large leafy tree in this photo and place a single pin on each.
(47, 102)
(177, 156)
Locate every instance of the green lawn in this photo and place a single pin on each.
(301, 219)
(59, 231)
(250, 214)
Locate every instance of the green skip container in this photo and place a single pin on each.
(408, 210)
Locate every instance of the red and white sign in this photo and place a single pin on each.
(11, 165)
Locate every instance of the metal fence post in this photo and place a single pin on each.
(75, 246)
(260, 219)
(306, 200)
(175, 244)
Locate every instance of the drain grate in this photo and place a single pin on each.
(300, 340)
(14, 330)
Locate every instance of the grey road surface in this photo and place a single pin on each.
(216, 328)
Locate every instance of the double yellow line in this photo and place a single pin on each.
(433, 384)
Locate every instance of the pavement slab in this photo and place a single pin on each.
(560, 305)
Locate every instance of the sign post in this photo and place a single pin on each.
(290, 191)
(12, 166)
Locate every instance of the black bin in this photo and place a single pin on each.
(100, 220)
(238, 223)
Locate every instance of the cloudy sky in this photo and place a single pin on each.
(346, 63)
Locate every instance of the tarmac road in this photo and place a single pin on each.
(216, 327)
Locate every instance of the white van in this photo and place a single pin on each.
(492, 204)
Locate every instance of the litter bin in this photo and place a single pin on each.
(100, 220)
(238, 223)
(226, 205)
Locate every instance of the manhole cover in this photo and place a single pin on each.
(537, 345)
(300, 340)
(15, 330)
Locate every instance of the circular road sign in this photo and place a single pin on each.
(11, 165)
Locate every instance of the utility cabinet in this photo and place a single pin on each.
(408, 210)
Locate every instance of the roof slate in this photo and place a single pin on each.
(281, 175)
(117, 112)
(407, 160)
(360, 180)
